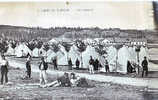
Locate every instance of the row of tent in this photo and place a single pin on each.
(22, 50)
(100, 41)
(124, 54)
(106, 41)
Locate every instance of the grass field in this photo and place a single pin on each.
(28, 89)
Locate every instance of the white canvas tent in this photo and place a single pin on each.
(74, 54)
(111, 57)
(123, 57)
(47, 53)
(61, 56)
(51, 55)
(102, 62)
(133, 54)
(35, 52)
(62, 49)
(22, 50)
(64, 59)
(90, 51)
(10, 51)
(143, 52)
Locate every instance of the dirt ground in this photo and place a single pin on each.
(18, 88)
(65, 68)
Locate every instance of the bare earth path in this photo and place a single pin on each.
(29, 89)
(143, 82)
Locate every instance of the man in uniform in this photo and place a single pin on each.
(145, 67)
(43, 67)
(4, 70)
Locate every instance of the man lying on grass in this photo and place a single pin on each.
(65, 81)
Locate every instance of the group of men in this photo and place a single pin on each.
(68, 80)
(94, 65)
(43, 66)
(133, 67)
(61, 81)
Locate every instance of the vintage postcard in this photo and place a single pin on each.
(79, 50)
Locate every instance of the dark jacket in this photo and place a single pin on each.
(77, 63)
(107, 64)
(44, 64)
(28, 66)
(70, 62)
(145, 64)
(4, 68)
(96, 64)
(91, 62)
(55, 62)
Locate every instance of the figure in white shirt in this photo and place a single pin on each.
(74, 79)
(43, 68)
(4, 70)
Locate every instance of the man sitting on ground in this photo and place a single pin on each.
(74, 79)
(63, 81)
(78, 81)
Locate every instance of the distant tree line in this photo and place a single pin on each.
(27, 34)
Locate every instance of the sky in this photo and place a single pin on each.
(124, 15)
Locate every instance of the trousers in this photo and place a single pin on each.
(91, 69)
(29, 73)
(43, 76)
(145, 71)
(4, 73)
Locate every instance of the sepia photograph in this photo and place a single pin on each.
(75, 50)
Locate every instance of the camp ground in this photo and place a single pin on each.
(116, 53)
